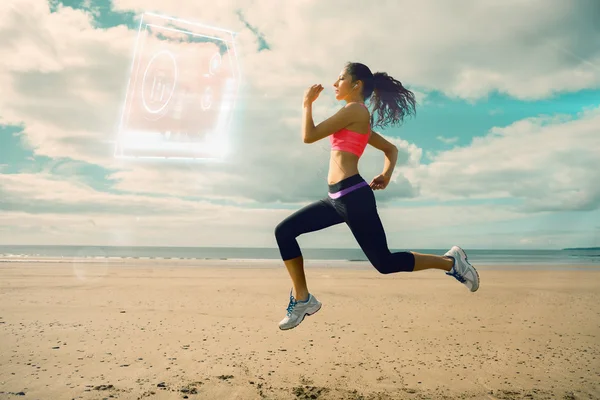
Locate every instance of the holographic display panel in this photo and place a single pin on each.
(181, 93)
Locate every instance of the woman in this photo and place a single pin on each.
(350, 198)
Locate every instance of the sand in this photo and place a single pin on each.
(149, 329)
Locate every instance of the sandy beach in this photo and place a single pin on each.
(145, 329)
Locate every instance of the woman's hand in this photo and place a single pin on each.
(380, 182)
(311, 94)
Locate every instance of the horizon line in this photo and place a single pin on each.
(275, 248)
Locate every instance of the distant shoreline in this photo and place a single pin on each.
(140, 247)
(275, 248)
(119, 254)
(101, 262)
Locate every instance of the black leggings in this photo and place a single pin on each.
(358, 210)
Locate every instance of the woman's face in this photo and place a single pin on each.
(344, 86)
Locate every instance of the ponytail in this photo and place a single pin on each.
(392, 101)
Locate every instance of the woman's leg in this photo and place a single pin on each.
(428, 261)
(364, 222)
(370, 235)
(311, 218)
(363, 219)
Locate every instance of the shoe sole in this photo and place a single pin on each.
(464, 254)
(304, 316)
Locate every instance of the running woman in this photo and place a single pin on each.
(351, 198)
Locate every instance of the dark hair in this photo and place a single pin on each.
(389, 98)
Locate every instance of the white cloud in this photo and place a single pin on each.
(460, 49)
(74, 213)
(64, 81)
(549, 162)
(446, 140)
(61, 79)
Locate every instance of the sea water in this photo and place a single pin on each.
(517, 257)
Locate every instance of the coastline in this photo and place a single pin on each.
(224, 262)
(480, 257)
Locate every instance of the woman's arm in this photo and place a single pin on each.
(390, 151)
(341, 119)
(391, 156)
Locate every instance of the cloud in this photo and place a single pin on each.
(526, 49)
(61, 79)
(74, 213)
(73, 69)
(548, 162)
(446, 140)
(64, 81)
(67, 83)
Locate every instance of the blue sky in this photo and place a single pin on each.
(502, 153)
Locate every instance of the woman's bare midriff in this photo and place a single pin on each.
(341, 166)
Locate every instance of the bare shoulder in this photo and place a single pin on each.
(380, 143)
(359, 112)
(356, 108)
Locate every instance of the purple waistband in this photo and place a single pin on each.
(342, 192)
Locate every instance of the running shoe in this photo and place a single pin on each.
(462, 269)
(297, 310)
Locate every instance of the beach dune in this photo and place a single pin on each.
(208, 330)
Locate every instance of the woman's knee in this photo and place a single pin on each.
(280, 229)
(378, 261)
(393, 262)
(382, 267)
(285, 230)
(285, 236)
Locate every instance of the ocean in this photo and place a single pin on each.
(566, 257)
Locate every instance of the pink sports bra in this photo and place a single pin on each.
(347, 140)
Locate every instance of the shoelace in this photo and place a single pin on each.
(291, 306)
(456, 275)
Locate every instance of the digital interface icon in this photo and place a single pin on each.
(182, 90)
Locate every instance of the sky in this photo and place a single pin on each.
(503, 152)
